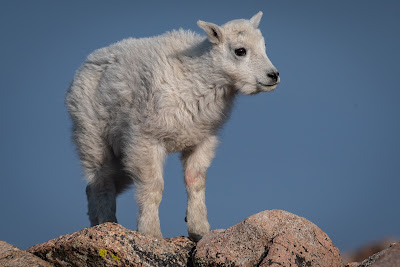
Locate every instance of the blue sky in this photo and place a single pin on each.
(324, 145)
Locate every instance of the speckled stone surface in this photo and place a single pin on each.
(268, 238)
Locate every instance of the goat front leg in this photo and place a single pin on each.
(195, 162)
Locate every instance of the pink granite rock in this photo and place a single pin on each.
(268, 238)
(367, 250)
(110, 244)
(11, 256)
(389, 257)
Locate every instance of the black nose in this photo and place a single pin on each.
(273, 75)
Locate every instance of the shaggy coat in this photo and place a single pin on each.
(135, 101)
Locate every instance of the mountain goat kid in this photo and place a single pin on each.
(135, 101)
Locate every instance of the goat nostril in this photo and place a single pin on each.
(273, 75)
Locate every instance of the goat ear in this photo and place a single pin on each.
(213, 32)
(255, 20)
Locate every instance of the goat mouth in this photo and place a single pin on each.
(267, 85)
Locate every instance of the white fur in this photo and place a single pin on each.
(134, 102)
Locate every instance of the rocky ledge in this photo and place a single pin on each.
(268, 238)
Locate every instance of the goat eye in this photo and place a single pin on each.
(240, 52)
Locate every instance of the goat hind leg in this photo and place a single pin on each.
(101, 195)
(145, 163)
